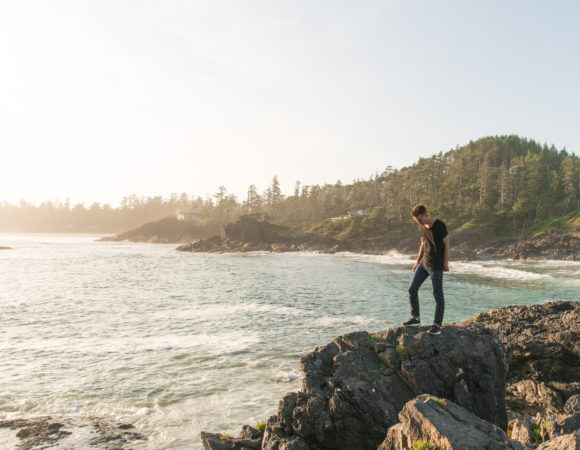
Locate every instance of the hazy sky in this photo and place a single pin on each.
(101, 99)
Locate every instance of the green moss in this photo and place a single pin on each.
(383, 367)
(225, 437)
(261, 426)
(401, 352)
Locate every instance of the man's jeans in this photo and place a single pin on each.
(421, 275)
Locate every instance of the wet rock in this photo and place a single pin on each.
(249, 438)
(543, 348)
(567, 442)
(216, 441)
(444, 425)
(35, 432)
(114, 435)
(43, 432)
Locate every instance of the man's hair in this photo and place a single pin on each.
(418, 210)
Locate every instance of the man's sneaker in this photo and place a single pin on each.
(435, 329)
(412, 322)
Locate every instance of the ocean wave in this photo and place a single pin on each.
(493, 271)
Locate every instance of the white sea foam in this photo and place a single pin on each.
(494, 271)
(391, 258)
(287, 376)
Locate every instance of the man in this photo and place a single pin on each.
(433, 260)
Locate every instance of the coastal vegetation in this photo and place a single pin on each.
(497, 185)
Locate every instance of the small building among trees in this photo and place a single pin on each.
(188, 216)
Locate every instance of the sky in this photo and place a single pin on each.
(104, 99)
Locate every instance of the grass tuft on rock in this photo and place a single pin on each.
(422, 445)
(401, 352)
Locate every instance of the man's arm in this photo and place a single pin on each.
(419, 256)
(446, 254)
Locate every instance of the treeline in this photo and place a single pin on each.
(133, 211)
(502, 184)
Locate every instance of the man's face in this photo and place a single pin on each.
(420, 219)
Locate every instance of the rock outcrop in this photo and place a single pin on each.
(250, 234)
(442, 424)
(355, 386)
(543, 348)
(360, 386)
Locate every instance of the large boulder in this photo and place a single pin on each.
(444, 425)
(355, 386)
(543, 348)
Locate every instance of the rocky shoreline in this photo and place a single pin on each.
(505, 379)
(508, 378)
(251, 235)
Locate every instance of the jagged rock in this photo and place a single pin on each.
(529, 396)
(444, 425)
(355, 386)
(572, 406)
(523, 430)
(567, 442)
(558, 425)
(543, 346)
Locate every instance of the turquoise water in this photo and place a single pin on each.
(176, 343)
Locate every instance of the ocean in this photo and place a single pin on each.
(176, 343)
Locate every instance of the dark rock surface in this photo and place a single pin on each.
(355, 386)
(444, 425)
(44, 432)
(543, 348)
(553, 245)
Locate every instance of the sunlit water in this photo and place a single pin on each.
(176, 343)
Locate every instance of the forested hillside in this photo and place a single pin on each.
(500, 185)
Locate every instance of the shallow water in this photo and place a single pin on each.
(176, 343)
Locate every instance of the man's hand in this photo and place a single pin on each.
(445, 267)
(415, 267)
